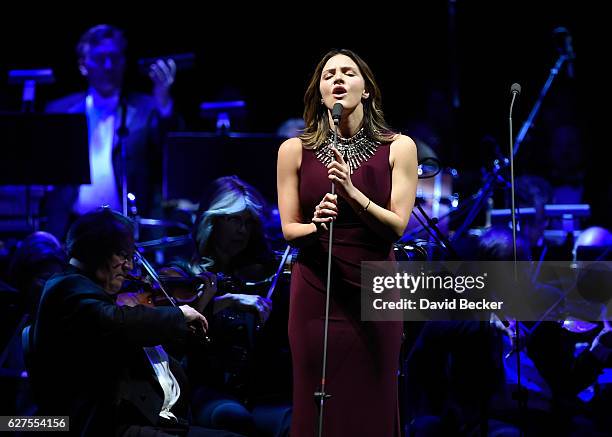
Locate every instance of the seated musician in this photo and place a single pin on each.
(558, 358)
(102, 364)
(37, 258)
(463, 375)
(233, 256)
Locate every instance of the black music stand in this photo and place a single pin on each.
(43, 149)
(192, 160)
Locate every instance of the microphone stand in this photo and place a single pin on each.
(554, 71)
(122, 133)
(485, 192)
(515, 91)
(321, 395)
(520, 395)
(431, 226)
(481, 197)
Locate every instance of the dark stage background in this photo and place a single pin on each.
(266, 57)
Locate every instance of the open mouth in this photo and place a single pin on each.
(339, 91)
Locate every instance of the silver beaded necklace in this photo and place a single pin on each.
(356, 150)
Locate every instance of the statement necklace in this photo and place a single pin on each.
(355, 150)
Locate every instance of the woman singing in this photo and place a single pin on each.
(375, 174)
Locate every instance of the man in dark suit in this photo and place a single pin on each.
(101, 54)
(103, 364)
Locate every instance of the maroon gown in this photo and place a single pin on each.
(362, 358)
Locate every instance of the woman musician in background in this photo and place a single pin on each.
(234, 261)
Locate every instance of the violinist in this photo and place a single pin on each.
(102, 364)
(233, 256)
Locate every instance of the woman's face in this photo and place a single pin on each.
(232, 233)
(341, 81)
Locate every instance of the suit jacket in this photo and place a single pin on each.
(88, 360)
(143, 144)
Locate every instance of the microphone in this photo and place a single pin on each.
(566, 48)
(515, 89)
(337, 113)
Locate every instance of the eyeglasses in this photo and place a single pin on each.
(126, 257)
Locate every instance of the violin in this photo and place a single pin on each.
(237, 331)
(152, 291)
(179, 290)
(227, 284)
(135, 291)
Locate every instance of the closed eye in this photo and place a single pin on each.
(330, 73)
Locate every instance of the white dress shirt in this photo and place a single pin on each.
(101, 116)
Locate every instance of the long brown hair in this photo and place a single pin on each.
(315, 114)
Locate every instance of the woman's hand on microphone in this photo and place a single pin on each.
(339, 172)
(325, 211)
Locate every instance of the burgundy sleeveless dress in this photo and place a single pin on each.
(362, 358)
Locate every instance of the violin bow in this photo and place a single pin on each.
(151, 271)
(278, 272)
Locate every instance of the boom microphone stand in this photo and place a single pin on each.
(565, 56)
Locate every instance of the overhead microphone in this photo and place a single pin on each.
(515, 88)
(337, 113)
